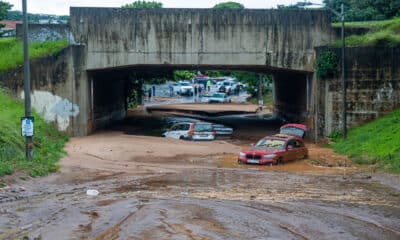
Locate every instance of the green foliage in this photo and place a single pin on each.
(34, 18)
(366, 10)
(381, 33)
(48, 142)
(327, 65)
(374, 143)
(4, 7)
(143, 4)
(252, 81)
(230, 5)
(183, 75)
(11, 51)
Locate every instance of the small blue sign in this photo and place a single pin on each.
(27, 128)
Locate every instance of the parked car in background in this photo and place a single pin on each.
(219, 98)
(228, 87)
(191, 131)
(183, 88)
(221, 129)
(276, 149)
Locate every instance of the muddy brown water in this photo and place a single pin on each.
(198, 196)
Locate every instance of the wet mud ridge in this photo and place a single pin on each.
(201, 204)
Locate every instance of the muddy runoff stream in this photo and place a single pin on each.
(156, 188)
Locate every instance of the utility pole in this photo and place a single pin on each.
(344, 84)
(260, 85)
(27, 85)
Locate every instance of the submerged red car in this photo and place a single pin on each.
(286, 146)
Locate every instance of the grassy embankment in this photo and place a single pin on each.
(385, 33)
(376, 143)
(48, 142)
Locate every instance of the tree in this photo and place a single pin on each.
(4, 7)
(366, 10)
(143, 4)
(230, 5)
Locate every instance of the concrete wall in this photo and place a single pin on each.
(373, 87)
(60, 91)
(45, 32)
(272, 38)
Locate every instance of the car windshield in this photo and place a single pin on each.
(203, 127)
(271, 143)
(185, 84)
(292, 131)
(218, 95)
(227, 83)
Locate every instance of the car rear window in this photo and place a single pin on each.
(293, 131)
(203, 128)
(271, 143)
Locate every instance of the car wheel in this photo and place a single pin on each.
(280, 161)
(181, 138)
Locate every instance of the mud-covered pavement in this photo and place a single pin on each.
(156, 188)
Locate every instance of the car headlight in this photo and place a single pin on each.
(270, 156)
(241, 154)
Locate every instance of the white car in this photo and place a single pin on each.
(191, 131)
(183, 88)
(219, 98)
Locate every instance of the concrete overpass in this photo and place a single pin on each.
(115, 41)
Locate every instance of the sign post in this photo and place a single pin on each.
(27, 89)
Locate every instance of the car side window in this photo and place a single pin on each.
(297, 144)
(185, 127)
(291, 143)
(174, 127)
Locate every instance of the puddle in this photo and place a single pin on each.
(301, 166)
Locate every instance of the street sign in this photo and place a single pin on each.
(27, 129)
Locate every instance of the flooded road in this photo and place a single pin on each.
(157, 188)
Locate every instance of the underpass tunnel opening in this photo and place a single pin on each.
(109, 92)
(292, 95)
(115, 91)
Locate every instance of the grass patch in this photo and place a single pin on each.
(376, 143)
(381, 33)
(11, 51)
(267, 99)
(48, 142)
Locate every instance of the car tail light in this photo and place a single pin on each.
(191, 130)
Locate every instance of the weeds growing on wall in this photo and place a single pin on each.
(327, 65)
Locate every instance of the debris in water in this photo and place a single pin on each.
(92, 192)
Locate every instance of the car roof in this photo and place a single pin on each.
(295, 125)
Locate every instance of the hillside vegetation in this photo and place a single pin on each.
(385, 32)
(11, 51)
(375, 143)
(48, 142)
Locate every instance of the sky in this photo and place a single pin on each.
(61, 7)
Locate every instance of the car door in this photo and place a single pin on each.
(298, 150)
(290, 151)
(172, 132)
